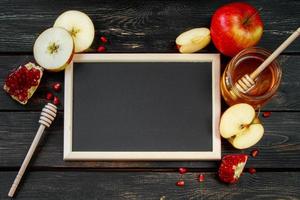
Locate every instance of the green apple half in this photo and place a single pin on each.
(54, 49)
(80, 26)
(240, 126)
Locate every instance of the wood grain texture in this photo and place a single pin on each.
(151, 27)
(137, 26)
(279, 147)
(149, 185)
(286, 99)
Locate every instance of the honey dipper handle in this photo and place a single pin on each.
(26, 160)
(47, 116)
(276, 53)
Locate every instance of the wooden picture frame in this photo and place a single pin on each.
(144, 155)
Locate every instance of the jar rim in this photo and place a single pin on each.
(235, 60)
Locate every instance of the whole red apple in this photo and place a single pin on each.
(234, 27)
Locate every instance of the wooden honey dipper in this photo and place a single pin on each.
(47, 116)
(248, 81)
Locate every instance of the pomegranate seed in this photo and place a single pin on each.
(266, 114)
(182, 170)
(252, 170)
(56, 87)
(21, 97)
(201, 177)
(49, 96)
(101, 49)
(103, 39)
(180, 183)
(254, 153)
(56, 101)
(177, 46)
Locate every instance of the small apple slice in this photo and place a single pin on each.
(80, 27)
(193, 40)
(240, 126)
(54, 49)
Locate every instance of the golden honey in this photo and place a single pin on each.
(266, 84)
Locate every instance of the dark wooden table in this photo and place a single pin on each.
(143, 26)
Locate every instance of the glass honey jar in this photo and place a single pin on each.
(245, 62)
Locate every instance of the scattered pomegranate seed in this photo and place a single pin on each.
(103, 39)
(101, 49)
(56, 87)
(177, 46)
(180, 183)
(49, 96)
(182, 170)
(252, 170)
(254, 153)
(201, 177)
(56, 101)
(266, 114)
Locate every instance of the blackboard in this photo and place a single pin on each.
(142, 106)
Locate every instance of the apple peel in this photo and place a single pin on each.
(193, 40)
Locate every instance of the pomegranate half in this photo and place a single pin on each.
(23, 82)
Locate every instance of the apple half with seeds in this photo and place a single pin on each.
(240, 125)
(54, 49)
(193, 40)
(80, 26)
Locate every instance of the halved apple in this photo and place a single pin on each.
(240, 126)
(193, 40)
(80, 27)
(54, 49)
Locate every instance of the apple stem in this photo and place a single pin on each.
(258, 112)
(246, 21)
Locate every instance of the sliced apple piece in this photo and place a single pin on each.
(240, 126)
(54, 49)
(193, 40)
(80, 26)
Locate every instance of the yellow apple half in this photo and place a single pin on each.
(80, 26)
(193, 40)
(240, 126)
(54, 49)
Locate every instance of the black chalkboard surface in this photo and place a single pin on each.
(152, 109)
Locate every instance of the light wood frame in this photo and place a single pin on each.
(144, 155)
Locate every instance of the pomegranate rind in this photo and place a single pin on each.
(31, 90)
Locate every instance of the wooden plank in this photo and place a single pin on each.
(279, 147)
(149, 185)
(141, 26)
(286, 99)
